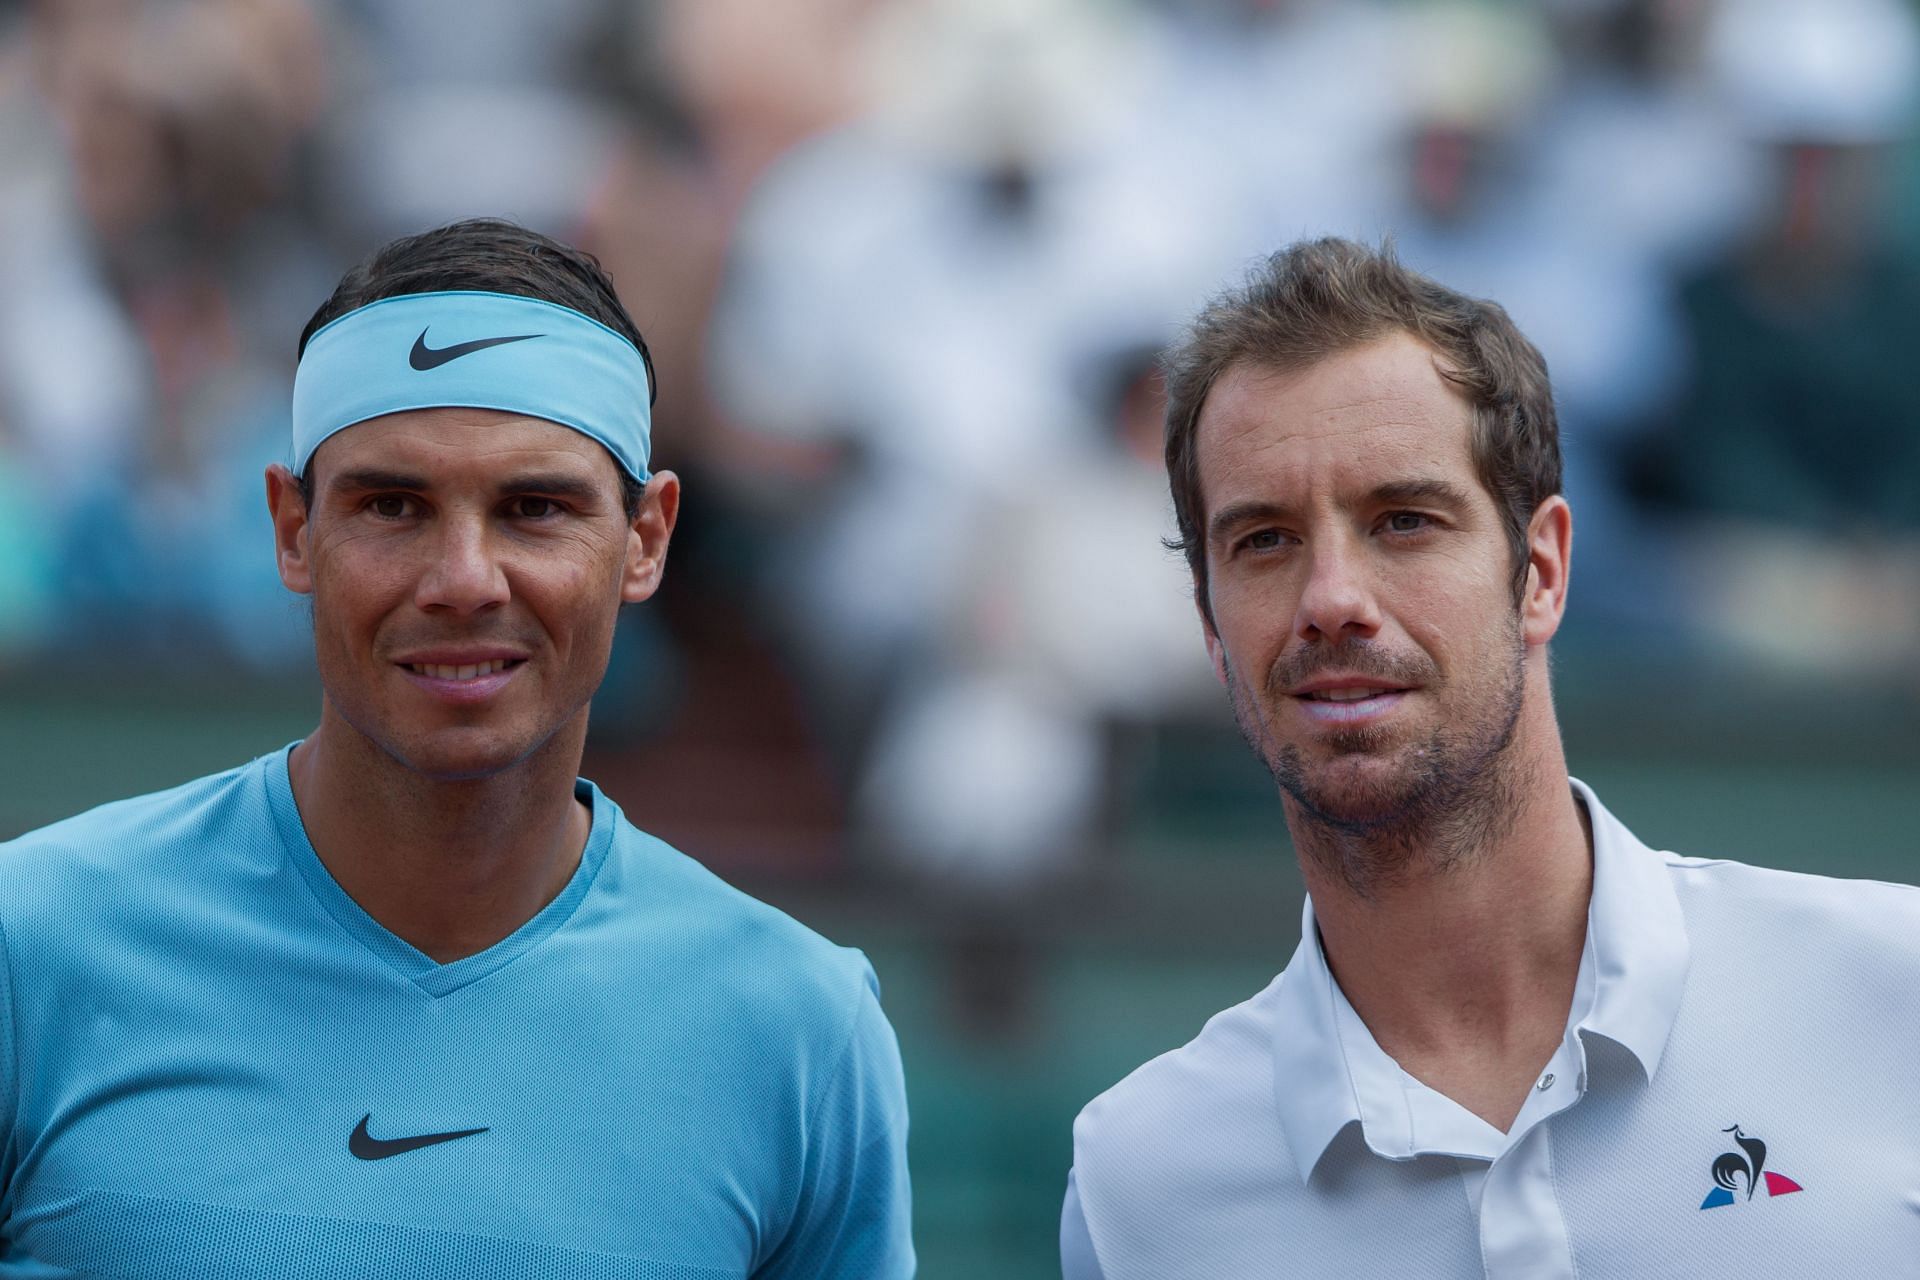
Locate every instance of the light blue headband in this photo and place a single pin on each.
(479, 351)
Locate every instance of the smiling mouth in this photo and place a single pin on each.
(470, 671)
(1349, 706)
(1348, 695)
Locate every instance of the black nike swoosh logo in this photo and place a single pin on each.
(424, 357)
(367, 1147)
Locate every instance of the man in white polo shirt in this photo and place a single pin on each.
(1513, 1041)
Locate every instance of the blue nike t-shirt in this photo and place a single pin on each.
(214, 1064)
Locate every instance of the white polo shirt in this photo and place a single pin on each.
(1734, 1097)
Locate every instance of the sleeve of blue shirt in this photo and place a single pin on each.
(855, 1214)
(9, 1082)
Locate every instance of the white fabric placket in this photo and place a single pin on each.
(1523, 1234)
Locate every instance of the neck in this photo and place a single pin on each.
(450, 867)
(1463, 962)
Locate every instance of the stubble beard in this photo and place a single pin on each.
(485, 744)
(1454, 792)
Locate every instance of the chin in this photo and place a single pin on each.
(1355, 788)
(459, 755)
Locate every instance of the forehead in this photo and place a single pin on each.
(1374, 414)
(454, 445)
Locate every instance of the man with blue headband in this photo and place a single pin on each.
(409, 997)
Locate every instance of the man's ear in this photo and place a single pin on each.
(291, 521)
(1549, 563)
(647, 539)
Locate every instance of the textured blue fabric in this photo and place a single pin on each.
(526, 356)
(676, 1082)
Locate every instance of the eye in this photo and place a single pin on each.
(389, 506)
(534, 508)
(1407, 522)
(1261, 540)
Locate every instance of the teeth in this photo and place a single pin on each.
(441, 671)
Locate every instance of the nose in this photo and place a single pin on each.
(1338, 601)
(465, 575)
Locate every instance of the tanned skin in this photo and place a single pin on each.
(442, 538)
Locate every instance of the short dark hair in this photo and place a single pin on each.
(494, 256)
(1318, 298)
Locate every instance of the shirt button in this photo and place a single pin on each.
(1546, 1082)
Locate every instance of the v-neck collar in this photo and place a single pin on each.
(406, 960)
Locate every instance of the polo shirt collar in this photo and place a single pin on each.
(1636, 952)
(1638, 936)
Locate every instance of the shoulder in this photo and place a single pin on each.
(1173, 1164)
(1790, 941)
(1866, 914)
(759, 960)
(1192, 1105)
(114, 844)
(794, 1016)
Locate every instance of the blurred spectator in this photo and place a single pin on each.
(718, 90)
(1634, 144)
(712, 91)
(71, 376)
(1801, 407)
(1481, 86)
(30, 503)
(923, 294)
(452, 108)
(881, 248)
(1798, 426)
(995, 767)
(898, 262)
(1282, 114)
(161, 380)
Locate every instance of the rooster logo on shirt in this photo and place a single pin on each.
(1744, 1171)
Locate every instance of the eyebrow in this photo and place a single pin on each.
(367, 479)
(1440, 493)
(555, 484)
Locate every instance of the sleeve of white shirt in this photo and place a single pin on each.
(1077, 1260)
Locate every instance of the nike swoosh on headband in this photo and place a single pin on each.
(581, 374)
(424, 357)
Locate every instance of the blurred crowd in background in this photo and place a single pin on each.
(904, 266)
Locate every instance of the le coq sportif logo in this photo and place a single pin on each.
(1738, 1174)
